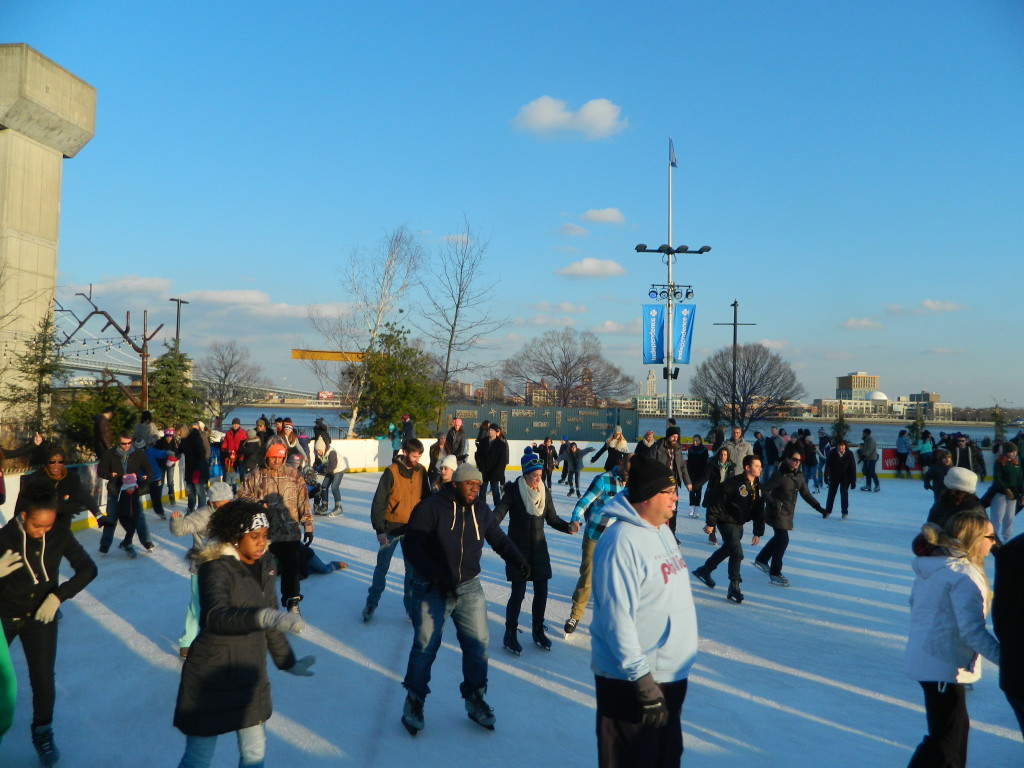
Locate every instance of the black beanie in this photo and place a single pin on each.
(646, 478)
(672, 431)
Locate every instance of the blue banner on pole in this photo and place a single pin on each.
(682, 329)
(654, 334)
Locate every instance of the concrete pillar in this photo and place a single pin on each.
(46, 114)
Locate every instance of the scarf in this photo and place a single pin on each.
(533, 500)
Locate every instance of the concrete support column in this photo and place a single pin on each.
(46, 114)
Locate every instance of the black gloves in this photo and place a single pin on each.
(307, 538)
(653, 710)
(524, 569)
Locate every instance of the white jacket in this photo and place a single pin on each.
(948, 605)
(644, 618)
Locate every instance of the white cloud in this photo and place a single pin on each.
(604, 216)
(462, 239)
(775, 344)
(589, 267)
(597, 119)
(572, 230)
(862, 324)
(131, 284)
(543, 320)
(928, 306)
(563, 306)
(837, 354)
(610, 326)
(931, 305)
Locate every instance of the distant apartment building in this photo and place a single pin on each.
(855, 386)
(494, 390)
(683, 407)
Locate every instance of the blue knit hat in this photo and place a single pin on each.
(531, 462)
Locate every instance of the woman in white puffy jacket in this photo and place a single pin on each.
(948, 605)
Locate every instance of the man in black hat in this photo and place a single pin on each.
(644, 631)
(670, 453)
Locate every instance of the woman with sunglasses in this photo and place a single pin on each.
(54, 479)
(948, 605)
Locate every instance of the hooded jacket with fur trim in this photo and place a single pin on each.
(948, 605)
(224, 685)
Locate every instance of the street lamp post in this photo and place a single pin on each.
(177, 324)
(670, 292)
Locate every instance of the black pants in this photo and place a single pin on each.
(156, 490)
(1017, 705)
(515, 603)
(287, 554)
(844, 497)
(39, 642)
(945, 746)
(622, 742)
(546, 477)
(772, 552)
(732, 547)
(695, 494)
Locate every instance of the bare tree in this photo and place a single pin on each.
(228, 377)
(377, 283)
(460, 302)
(764, 383)
(571, 367)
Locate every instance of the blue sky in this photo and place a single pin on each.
(856, 168)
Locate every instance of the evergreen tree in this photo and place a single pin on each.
(29, 385)
(398, 380)
(839, 428)
(76, 420)
(172, 398)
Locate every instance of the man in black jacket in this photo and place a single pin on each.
(738, 502)
(1008, 623)
(443, 544)
(669, 452)
(780, 503)
(127, 472)
(840, 475)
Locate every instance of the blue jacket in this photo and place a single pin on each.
(644, 618)
(444, 538)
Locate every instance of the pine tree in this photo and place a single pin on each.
(172, 398)
(398, 380)
(29, 386)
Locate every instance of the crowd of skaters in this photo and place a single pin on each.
(428, 511)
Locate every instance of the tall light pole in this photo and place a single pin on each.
(735, 326)
(177, 325)
(670, 292)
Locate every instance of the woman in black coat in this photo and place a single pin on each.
(31, 549)
(55, 480)
(529, 506)
(493, 460)
(697, 459)
(224, 684)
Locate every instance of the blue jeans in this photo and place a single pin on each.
(468, 609)
(380, 575)
(194, 491)
(869, 473)
(128, 510)
(495, 492)
(191, 617)
(335, 483)
(819, 473)
(252, 743)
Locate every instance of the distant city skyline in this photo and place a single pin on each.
(855, 168)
